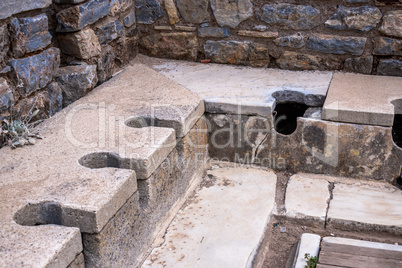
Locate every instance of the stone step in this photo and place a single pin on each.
(363, 99)
(223, 225)
(363, 205)
(88, 165)
(373, 207)
(244, 90)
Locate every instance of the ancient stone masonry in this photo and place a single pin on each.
(353, 36)
(89, 40)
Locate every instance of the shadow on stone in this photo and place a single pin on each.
(285, 116)
(397, 125)
(101, 160)
(39, 214)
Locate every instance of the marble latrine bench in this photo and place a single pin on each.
(112, 167)
(116, 165)
(316, 122)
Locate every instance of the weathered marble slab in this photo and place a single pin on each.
(363, 99)
(82, 172)
(223, 225)
(244, 90)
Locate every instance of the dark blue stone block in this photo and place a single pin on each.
(30, 34)
(35, 72)
(109, 32)
(213, 32)
(390, 67)
(55, 98)
(84, 14)
(337, 44)
(148, 11)
(6, 95)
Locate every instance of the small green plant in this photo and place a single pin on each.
(19, 132)
(312, 261)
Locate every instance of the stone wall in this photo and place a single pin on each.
(53, 52)
(363, 36)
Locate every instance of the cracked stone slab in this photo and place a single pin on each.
(88, 164)
(223, 225)
(363, 205)
(244, 90)
(355, 98)
(306, 197)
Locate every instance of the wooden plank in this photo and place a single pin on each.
(355, 261)
(362, 249)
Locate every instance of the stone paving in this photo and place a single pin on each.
(240, 199)
(223, 225)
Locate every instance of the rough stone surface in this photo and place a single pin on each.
(233, 200)
(171, 45)
(258, 34)
(68, 1)
(337, 44)
(171, 10)
(299, 61)
(129, 20)
(78, 262)
(55, 98)
(48, 102)
(376, 206)
(106, 64)
(243, 90)
(390, 67)
(185, 28)
(354, 98)
(300, 205)
(148, 11)
(349, 150)
(29, 34)
(361, 65)
(9, 8)
(287, 16)
(35, 72)
(118, 6)
(194, 11)
(109, 31)
(6, 95)
(4, 40)
(83, 44)
(18, 39)
(362, 18)
(392, 23)
(295, 41)
(387, 46)
(163, 28)
(76, 81)
(230, 13)
(77, 17)
(213, 32)
(237, 52)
